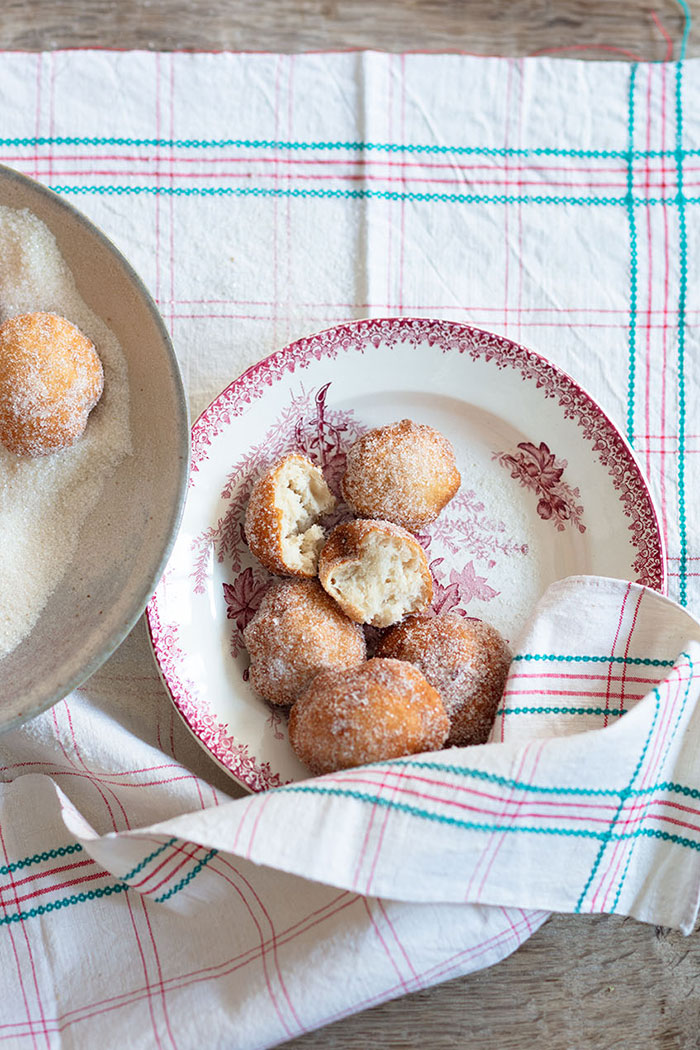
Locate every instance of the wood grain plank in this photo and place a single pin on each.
(580, 983)
(584, 28)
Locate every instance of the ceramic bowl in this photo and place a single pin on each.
(126, 540)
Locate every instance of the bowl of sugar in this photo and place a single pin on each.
(87, 529)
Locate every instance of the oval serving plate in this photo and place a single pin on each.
(549, 489)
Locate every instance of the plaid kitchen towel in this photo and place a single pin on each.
(263, 197)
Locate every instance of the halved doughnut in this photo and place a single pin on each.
(281, 522)
(376, 571)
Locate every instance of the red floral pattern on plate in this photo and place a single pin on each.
(536, 468)
(243, 598)
(458, 588)
(465, 525)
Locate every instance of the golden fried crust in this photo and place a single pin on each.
(404, 472)
(297, 632)
(380, 710)
(347, 546)
(467, 662)
(345, 541)
(264, 520)
(50, 379)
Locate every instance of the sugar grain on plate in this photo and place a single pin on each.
(45, 500)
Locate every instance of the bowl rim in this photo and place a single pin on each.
(171, 526)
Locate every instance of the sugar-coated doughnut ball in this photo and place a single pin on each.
(467, 662)
(404, 472)
(50, 379)
(376, 571)
(281, 523)
(297, 632)
(382, 709)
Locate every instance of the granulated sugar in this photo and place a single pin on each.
(404, 472)
(44, 500)
(297, 632)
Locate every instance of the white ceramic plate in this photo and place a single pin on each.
(125, 541)
(549, 489)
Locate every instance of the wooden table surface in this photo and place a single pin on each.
(645, 29)
(580, 983)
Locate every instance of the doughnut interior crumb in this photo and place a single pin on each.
(386, 583)
(302, 497)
